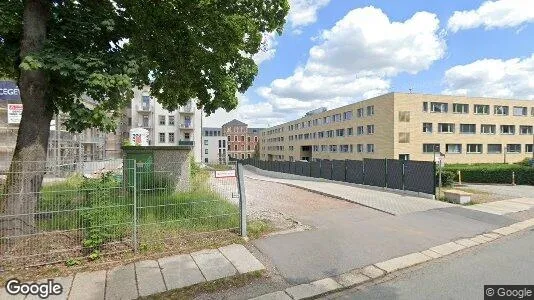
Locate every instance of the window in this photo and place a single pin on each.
(431, 148)
(439, 107)
(494, 148)
(427, 127)
(532, 111)
(162, 137)
(161, 120)
(524, 129)
(256, 139)
(206, 151)
(507, 129)
(187, 136)
(500, 110)
(129, 121)
(528, 148)
(315, 148)
(513, 148)
(206, 142)
(337, 118)
(468, 128)
(359, 112)
(333, 148)
(344, 148)
(520, 111)
(474, 148)
(347, 115)
(324, 148)
(481, 109)
(370, 129)
(404, 116)
(404, 137)
(320, 134)
(235, 147)
(242, 138)
(446, 127)
(425, 106)
(370, 110)
(350, 131)
(359, 130)
(359, 148)
(248, 139)
(370, 148)
(235, 138)
(460, 108)
(340, 132)
(487, 129)
(453, 148)
(242, 156)
(171, 120)
(171, 137)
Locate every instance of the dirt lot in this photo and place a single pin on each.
(285, 206)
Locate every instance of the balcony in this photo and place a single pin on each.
(188, 109)
(186, 126)
(144, 125)
(186, 143)
(144, 108)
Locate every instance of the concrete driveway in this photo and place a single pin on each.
(516, 191)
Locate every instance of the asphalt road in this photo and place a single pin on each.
(508, 260)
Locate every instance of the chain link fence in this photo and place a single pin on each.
(97, 209)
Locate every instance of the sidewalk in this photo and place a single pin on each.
(150, 277)
(504, 207)
(388, 202)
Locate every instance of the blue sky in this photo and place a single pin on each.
(335, 52)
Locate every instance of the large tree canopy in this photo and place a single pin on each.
(61, 50)
(183, 49)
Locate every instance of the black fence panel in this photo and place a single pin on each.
(419, 176)
(299, 168)
(306, 169)
(374, 172)
(394, 178)
(278, 166)
(285, 166)
(315, 170)
(293, 168)
(354, 171)
(326, 169)
(338, 170)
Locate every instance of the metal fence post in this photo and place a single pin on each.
(242, 201)
(403, 175)
(134, 236)
(386, 172)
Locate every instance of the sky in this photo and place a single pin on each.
(336, 52)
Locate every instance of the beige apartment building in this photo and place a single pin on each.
(409, 126)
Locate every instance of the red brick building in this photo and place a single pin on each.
(242, 141)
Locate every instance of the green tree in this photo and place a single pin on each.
(60, 51)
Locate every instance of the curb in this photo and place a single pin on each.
(359, 276)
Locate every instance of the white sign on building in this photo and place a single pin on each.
(14, 113)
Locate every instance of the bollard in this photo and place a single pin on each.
(513, 178)
(459, 177)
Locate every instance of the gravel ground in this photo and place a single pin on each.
(285, 206)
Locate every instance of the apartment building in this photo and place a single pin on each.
(242, 141)
(166, 128)
(409, 126)
(213, 146)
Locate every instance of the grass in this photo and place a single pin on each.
(259, 228)
(208, 287)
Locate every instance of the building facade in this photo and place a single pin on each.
(213, 146)
(243, 142)
(409, 126)
(166, 128)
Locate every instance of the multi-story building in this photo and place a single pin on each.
(242, 141)
(166, 128)
(409, 126)
(213, 146)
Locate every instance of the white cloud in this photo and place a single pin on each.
(513, 78)
(494, 14)
(304, 12)
(268, 50)
(356, 59)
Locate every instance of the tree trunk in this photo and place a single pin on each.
(27, 169)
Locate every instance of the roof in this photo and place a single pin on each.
(211, 128)
(257, 129)
(234, 122)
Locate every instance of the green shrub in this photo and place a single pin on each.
(447, 178)
(494, 173)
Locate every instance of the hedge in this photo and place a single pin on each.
(494, 173)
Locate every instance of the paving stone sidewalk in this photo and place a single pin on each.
(505, 206)
(149, 277)
(381, 200)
